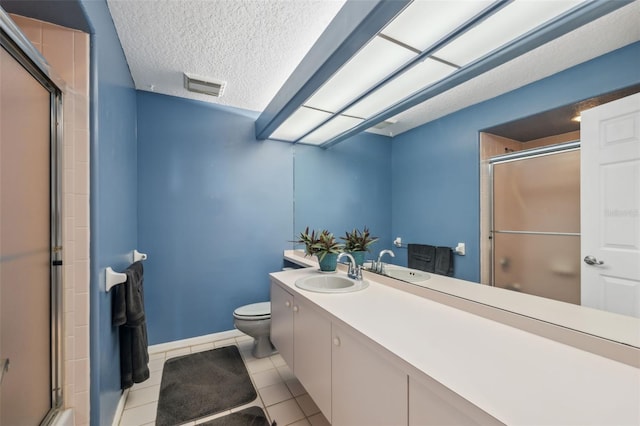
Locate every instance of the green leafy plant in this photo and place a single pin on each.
(319, 243)
(357, 240)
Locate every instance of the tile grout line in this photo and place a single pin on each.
(244, 344)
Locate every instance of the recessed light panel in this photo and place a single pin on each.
(395, 51)
(424, 74)
(331, 129)
(374, 62)
(507, 24)
(299, 123)
(424, 23)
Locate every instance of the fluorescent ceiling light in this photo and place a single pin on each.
(375, 61)
(429, 47)
(299, 123)
(507, 24)
(424, 23)
(333, 128)
(421, 75)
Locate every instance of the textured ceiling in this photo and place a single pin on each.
(255, 45)
(252, 45)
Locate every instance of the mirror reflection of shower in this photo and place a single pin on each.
(536, 222)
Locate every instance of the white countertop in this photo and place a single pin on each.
(614, 327)
(517, 377)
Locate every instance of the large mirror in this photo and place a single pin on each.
(425, 185)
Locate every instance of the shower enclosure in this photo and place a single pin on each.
(30, 250)
(536, 222)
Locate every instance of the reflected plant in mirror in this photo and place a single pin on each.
(358, 243)
(437, 192)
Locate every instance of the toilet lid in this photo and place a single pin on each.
(255, 310)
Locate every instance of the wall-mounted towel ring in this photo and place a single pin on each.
(113, 278)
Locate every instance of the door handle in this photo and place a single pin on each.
(591, 260)
(4, 367)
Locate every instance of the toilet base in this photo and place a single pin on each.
(262, 347)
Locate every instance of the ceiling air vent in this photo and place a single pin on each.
(194, 83)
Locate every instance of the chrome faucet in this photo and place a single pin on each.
(379, 266)
(355, 271)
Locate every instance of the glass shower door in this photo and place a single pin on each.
(25, 246)
(536, 225)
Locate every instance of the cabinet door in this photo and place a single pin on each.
(312, 353)
(432, 404)
(282, 322)
(367, 388)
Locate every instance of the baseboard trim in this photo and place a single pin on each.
(120, 408)
(198, 340)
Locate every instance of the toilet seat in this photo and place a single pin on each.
(255, 311)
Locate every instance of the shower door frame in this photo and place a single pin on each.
(20, 48)
(514, 156)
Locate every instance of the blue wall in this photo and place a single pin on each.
(214, 213)
(435, 193)
(113, 199)
(344, 187)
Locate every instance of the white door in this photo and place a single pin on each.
(610, 206)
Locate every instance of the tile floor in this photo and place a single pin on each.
(279, 392)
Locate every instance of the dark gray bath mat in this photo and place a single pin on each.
(202, 384)
(252, 416)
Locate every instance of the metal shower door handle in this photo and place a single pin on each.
(591, 260)
(4, 367)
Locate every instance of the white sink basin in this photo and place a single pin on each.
(330, 284)
(406, 274)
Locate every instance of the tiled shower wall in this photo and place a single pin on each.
(67, 51)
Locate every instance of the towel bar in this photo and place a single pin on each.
(113, 278)
(139, 256)
(460, 249)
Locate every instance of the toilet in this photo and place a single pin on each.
(255, 320)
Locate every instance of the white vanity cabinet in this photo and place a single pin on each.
(282, 322)
(431, 404)
(312, 353)
(354, 380)
(302, 335)
(367, 388)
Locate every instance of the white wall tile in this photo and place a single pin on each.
(82, 309)
(81, 336)
(81, 374)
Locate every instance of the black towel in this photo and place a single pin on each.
(128, 314)
(422, 257)
(444, 261)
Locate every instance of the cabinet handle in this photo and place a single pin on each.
(295, 308)
(336, 341)
(287, 304)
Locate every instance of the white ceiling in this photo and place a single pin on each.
(254, 45)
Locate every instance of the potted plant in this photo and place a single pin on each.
(322, 244)
(357, 243)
